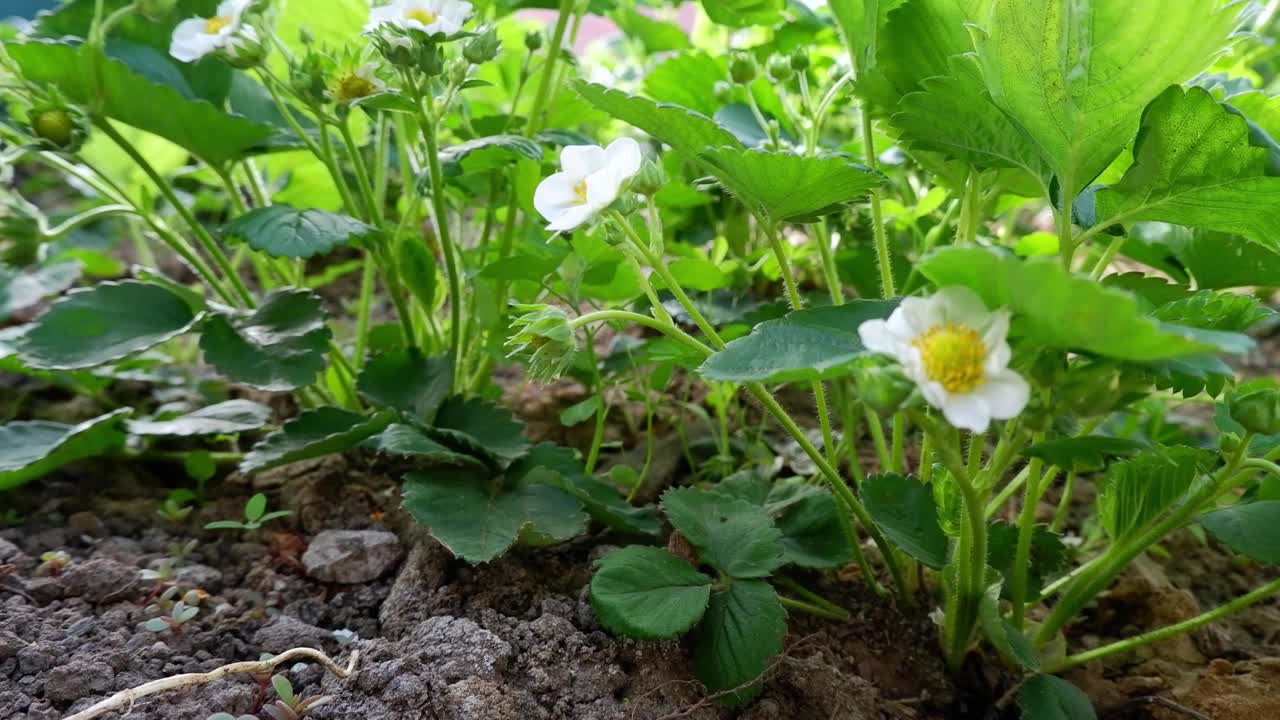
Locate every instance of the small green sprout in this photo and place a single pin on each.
(289, 706)
(176, 507)
(53, 563)
(255, 516)
(180, 615)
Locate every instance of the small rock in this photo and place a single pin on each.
(36, 657)
(9, 551)
(76, 679)
(99, 580)
(10, 644)
(287, 632)
(86, 523)
(351, 556)
(200, 576)
(457, 648)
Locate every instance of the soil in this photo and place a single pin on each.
(517, 639)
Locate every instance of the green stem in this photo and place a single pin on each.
(877, 437)
(665, 327)
(1022, 553)
(829, 269)
(368, 276)
(899, 456)
(967, 226)
(548, 71)
(428, 122)
(92, 214)
(1066, 244)
(1166, 632)
(1064, 503)
(602, 407)
(1107, 256)
(883, 257)
(363, 183)
(812, 609)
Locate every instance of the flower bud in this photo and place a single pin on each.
(156, 9)
(245, 49)
(483, 47)
(430, 59)
(723, 92)
(59, 126)
(799, 60)
(742, 68)
(882, 387)
(650, 179)
(533, 40)
(779, 69)
(1256, 406)
(309, 79)
(458, 70)
(542, 338)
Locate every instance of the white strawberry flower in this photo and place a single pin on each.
(428, 16)
(956, 351)
(196, 37)
(590, 179)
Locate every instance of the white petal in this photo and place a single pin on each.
(572, 218)
(581, 160)
(233, 8)
(385, 15)
(554, 195)
(962, 306)
(1004, 393)
(932, 392)
(603, 186)
(917, 316)
(967, 412)
(190, 42)
(998, 352)
(624, 157)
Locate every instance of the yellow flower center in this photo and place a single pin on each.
(214, 25)
(953, 356)
(350, 86)
(426, 17)
(580, 192)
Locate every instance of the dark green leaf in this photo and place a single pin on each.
(280, 346)
(1045, 697)
(93, 326)
(731, 535)
(781, 186)
(409, 441)
(282, 231)
(1048, 554)
(487, 153)
(812, 533)
(479, 425)
(1010, 643)
(742, 630)
(322, 431)
(1251, 529)
(903, 508)
(224, 418)
(34, 448)
(407, 381)
(648, 593)
(1084, 454)
(817, 343)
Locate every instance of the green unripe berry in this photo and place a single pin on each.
(743, 69)
(723, 92)
(1256, 406)
(57, 127)
(799, 60)
(779, 69)
(533, 40)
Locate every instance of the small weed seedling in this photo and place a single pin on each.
(179, 615)
(255, 516)
(288, 706)
(53, 563)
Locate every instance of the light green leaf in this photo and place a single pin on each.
(206, 131)
(656, 35)
(488, 153)
(317, 432)
(409, 441)
(21, 290)
(224, 418)
(903, 508)
(1197, 163)
(812, 344)
(280, 346)
(1137, 492)
(648, 593)
(782, 186)
(685, 130)
(93, 326)
(742, 630)
(282, 231)
(1076, 75)
(1045, 697)
(1054, 308)
(1215, 311)
(1251, 529)
(696, 273)
(407, 381)
(733, 536)
(744, 13)
(687, 79)
(478, 524)
(33, 448)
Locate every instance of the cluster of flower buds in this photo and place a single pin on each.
(543, 339)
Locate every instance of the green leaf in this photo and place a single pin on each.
(903, 508)
(476, 524)
(688, 80)
(605, 505)
(1006, 638)
(224, 418)
(648, 593)
(282, 231)
(655, 35)
(1054, 308)
(817, 343)
(1076, 75)
(407, 381)
(744, 13)
(580, 412)
(1197, 163)
(1214, 311)
(808, 517)
(731, 535)
(127, 96)
(742, 630)
(33, 448)
(1251, 529)
(21, 290)
(695, 273)
(485, 154)
(279, 346)
(783, 187)
(255, 507)
(1048, 554)
(93, 326)
(1136, 492)
(478, 425)
(1084, 454)
(685, 130)
(409, 441)
(1045, 697)
(317, 432)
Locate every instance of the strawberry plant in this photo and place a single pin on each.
(996, 247)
